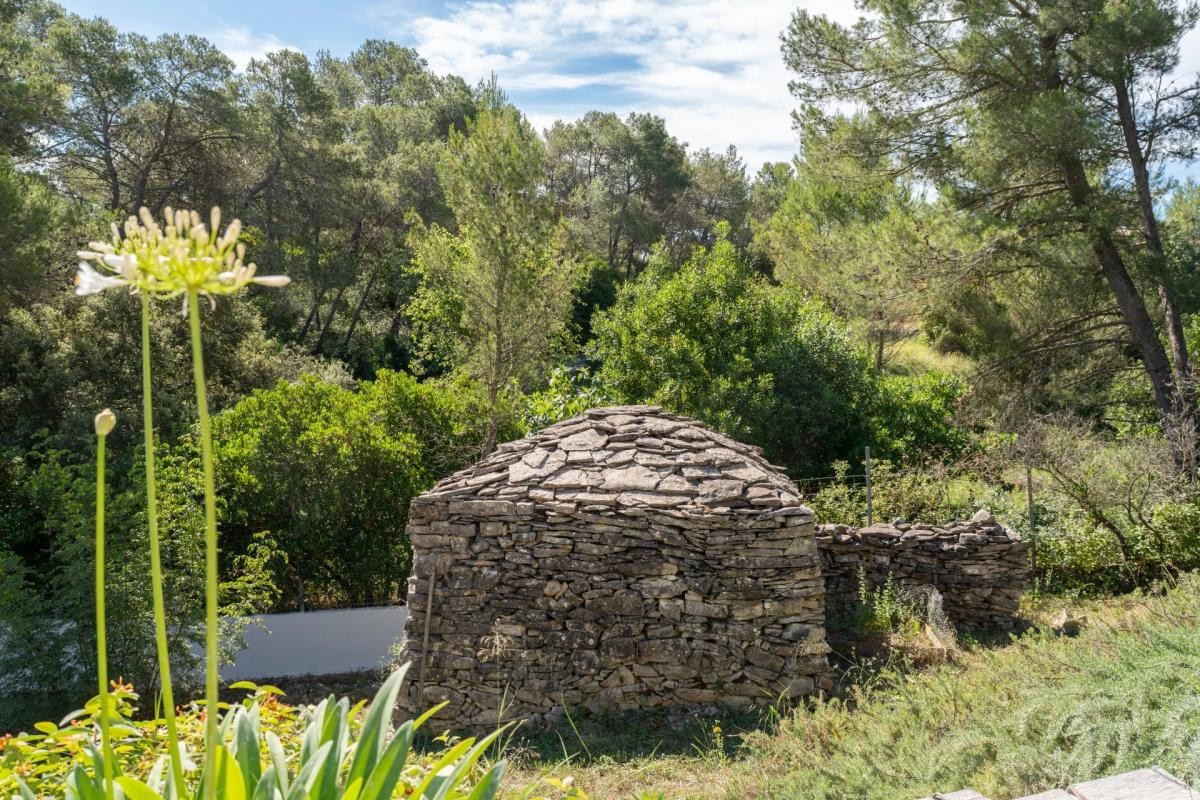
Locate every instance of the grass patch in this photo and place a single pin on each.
(1039, 712)
(915, 356)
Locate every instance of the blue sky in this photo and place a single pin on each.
(711, 68)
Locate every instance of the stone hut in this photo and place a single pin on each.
(625, 558)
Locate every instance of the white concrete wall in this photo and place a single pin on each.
(317, 642)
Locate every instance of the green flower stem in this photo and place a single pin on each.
(210, 549)
(160, 615)
(102, 640)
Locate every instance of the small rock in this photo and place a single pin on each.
(1067, 625)
(982, 517)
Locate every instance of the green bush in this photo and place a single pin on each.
(935, 494)
(912, 421)
(1074, 554)
(766, 364)
(313, 465)
(716, 341)
(46, 594)
(1112, 513)
(447, 417)
(1109, 516)
(567, 394)
(327, 474)
(58, 361)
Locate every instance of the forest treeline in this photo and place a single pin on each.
(979, 264)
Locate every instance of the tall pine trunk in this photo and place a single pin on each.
(1184, 382)
(1176, 416)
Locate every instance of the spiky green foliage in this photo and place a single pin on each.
(331, 751)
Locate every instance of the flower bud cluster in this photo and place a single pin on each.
(179, 257)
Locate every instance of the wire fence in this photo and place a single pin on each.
(881, 477)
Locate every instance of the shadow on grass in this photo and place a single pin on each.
(624, 736)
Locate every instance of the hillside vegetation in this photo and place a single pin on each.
(981, 266)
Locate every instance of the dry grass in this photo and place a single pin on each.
(1007, 719)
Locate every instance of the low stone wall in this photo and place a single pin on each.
(978, 566)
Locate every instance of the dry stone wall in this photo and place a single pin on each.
(979, 567)
(625, 558)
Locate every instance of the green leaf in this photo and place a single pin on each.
(463, 767)
(435, 774)
(247, 749)
(136, 790)
(371, 737)
(83, 786)
(352, 791)
(26, 792)
(302, 786)
(267, 786)
(230, 784)
(421, 720)
(336, 733)
(489, 784)
(386, 772)
(312, 734)
(278, 761)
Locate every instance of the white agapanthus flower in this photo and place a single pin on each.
(89, 281)
(178, 258)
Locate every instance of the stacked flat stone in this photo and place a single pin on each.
(625, 558)
(978, 566)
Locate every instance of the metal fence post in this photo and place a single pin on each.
(867, 472)
(1029, 494)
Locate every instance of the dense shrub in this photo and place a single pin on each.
(327, 473)
(934, 494)
(1114, 514)
(1108, 516)
(567, 394)
(714, 340)
(912, 420)
(313, 466)
(58, 361)
(447, 417)
(764, 363)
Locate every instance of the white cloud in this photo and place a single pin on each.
(241, 44)
(711, 68)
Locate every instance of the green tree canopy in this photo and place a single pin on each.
(496, 293)
(1033, 115)
(616, 183)
(715, 340)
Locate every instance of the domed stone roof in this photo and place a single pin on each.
(626, 459)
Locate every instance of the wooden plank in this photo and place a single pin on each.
(1142, 784)
(1053, 794)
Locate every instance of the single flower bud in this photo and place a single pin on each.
(106, 420)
